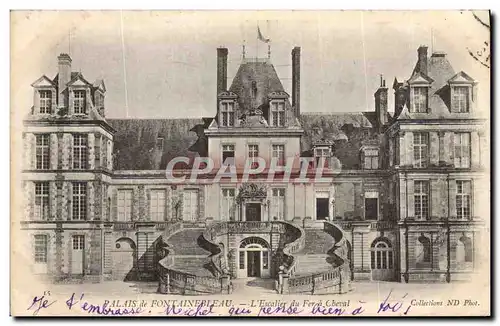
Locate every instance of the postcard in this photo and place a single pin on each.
(250, 163)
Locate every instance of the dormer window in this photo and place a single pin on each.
(370, 158)
(227, 114)
(277, 113)
(45, 102)
(420, 97)
(322, 153)
(460, 100)
(79, 102)
(462, 89)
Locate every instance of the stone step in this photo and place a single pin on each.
(308, 264)
(317, 241)
(192, 265)
(185, 242)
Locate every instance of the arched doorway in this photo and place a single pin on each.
(254, 258)
(382, 260)
(124, 257)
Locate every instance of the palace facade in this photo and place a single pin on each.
(401, 203)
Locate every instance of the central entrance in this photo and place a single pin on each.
(253, 212)
(253, 258)
(253, 263)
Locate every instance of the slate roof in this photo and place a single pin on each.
(440, 70)
(135, 142)
(347, 131)
(258, 76)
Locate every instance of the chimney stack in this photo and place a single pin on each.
(381, 104)
(296, 80)
(221, 69)
(422, 59)
(64, 61)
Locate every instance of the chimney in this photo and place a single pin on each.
(221, 70)
(381, 104)
(422, 59)
(64, 61)
(296, 80)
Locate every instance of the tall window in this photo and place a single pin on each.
(461, 99)
(42, 201)
(45, 101)
(278, 152)
(371, 159)
(278, 114)
(421, 197)
(420, 148)
(190, 205)
(42, 152)
(78, 242)
(157, 205)
(382, 255)
(278, 203)
(124, 208)
(462, 150)
(97, 151)
(79, 201)
(253, 153)
(463, 199)
(79, 102)
(228, 195)
(228, 154)
(41, 248)
(322, 153)
(420, 99)
(79, 151)
(227, 114)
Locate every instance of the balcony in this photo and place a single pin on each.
(373, 225)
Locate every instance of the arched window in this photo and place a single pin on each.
(382, 254)
(424, 256)
(464, 249)
(254, 240)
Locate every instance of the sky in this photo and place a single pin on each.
(162, 64)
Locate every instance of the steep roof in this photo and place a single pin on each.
(135, 142)
(440, 71)
(346, 131)
(260, 75)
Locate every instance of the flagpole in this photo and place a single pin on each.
(257, 42)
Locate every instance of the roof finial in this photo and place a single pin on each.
(269, 51)
(243, 51)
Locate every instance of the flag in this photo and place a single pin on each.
(260, 37)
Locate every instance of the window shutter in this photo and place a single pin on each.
(433, 145)
(114, 204)
(411, 199)
(409, 148)
(453, 199)
(54, 151)
(474, 149)
(452, 147)
(134, 203)
(434, 203)
(70, 201)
